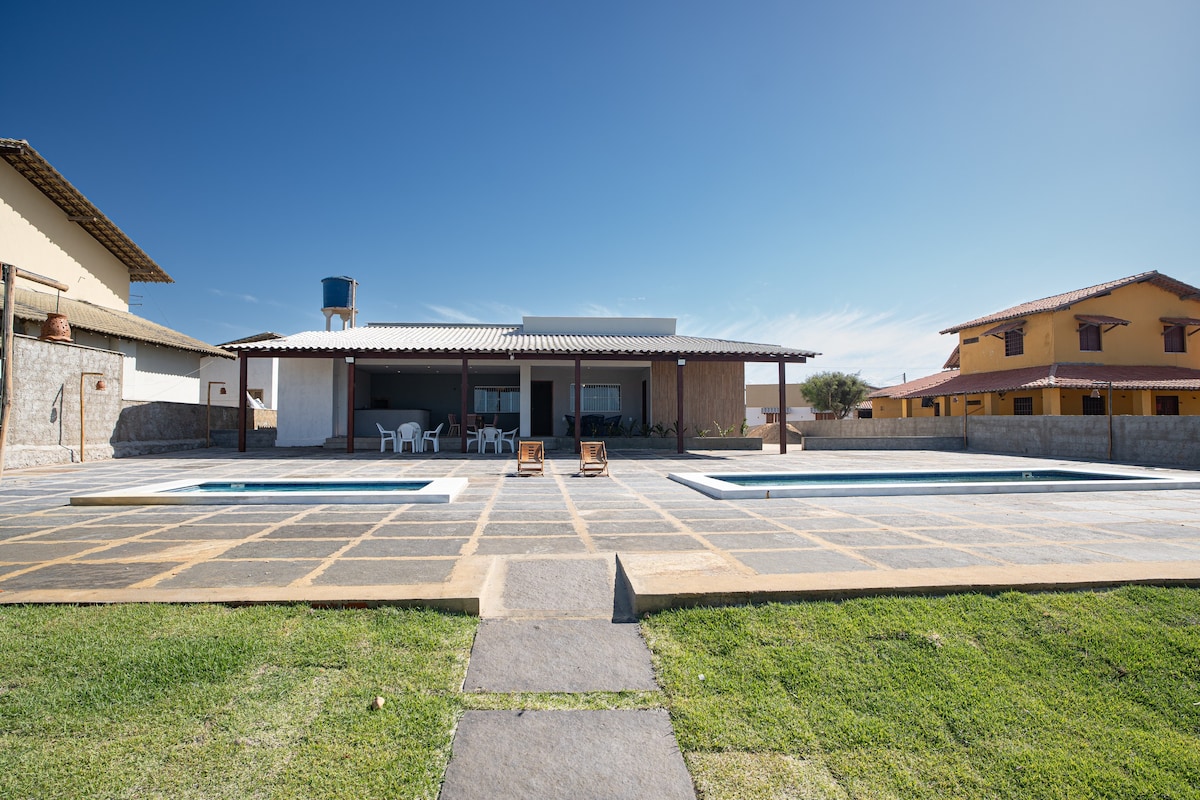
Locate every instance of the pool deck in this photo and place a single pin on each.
(672, 544)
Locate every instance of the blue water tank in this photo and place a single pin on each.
(338, 292)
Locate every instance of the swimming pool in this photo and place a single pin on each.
(193, 492)
(737, 486)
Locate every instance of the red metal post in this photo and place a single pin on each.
(242, 388)
(783, 431)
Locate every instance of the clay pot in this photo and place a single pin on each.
(55, 328)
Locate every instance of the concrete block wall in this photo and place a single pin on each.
(1161, 441)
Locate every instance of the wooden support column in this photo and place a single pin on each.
(462, 412)
(783, 431)
(578, 433)
(679, 404)
(350, 404)
(242, 388)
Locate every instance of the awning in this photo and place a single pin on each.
(1100, 319)
(1000, 330)
(1184, 322)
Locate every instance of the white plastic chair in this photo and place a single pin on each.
(489, 435)
(472, 438)
(431, 437)
(386, 436)
(409, 433)
(509, 438)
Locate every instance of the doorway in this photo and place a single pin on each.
(541, 408)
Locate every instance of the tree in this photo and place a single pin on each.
(834, 391)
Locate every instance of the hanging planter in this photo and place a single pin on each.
(55, 328)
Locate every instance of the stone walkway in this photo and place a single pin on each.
(562, 628)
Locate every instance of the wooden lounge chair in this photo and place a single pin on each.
(593, 458)
(531, 459)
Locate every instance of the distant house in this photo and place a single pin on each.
(546, 377)
(49, 229)
(1067, 354)
(762, 404)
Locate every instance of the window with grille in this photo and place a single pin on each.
(1166, 405)
(1089, 337)
(1174, 339)
(1093, 406)
(1014, 343)
(598, 397)
(497, 400)
(1023, 406)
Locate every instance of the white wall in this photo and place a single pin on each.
(36, 236)
(305, 401)
(261, 373)
(163, 374)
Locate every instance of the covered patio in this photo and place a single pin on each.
(637, 377)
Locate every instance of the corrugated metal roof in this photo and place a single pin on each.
(33, 306)
(506, 339)
(1067, 299)
(35, 169)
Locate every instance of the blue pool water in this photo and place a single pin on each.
(241, 487)
(982, 476)
(745, 486)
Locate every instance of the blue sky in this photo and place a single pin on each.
(845, 177)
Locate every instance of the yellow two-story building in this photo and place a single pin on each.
(1122, 347)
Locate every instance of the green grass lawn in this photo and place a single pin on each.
(1019, 696)
(138, 701)
(1080, 695)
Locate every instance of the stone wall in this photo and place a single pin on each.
(44, 413)
(44, 416)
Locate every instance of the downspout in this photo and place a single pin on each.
(9, 273)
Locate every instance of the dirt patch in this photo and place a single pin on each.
(770, 433)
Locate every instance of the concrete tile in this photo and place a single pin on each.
(313, 531)
(549, 655)
(1146, 551)
(282, 548)
(227, 574)
(385, 572)
(203, 532)
(582, 584)
(980, 535)
(879, 538)
(90, 576)
(424, 529)
(632, 526)
(94, 533)
(1041, 554)
(746, 525)
(647, 544)
(393, 547)
(924, 557)
(141, 551)
(787, 562)
(529, 529)
(566, 755)
(757, 541)
(530, 545)
(33, 552)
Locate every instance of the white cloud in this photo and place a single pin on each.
(245, 298)
(881, 346)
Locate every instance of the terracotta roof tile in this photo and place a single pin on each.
(1063, 376)
(33, 306)
(1067, 299)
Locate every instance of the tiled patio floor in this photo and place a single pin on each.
(672, 541)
